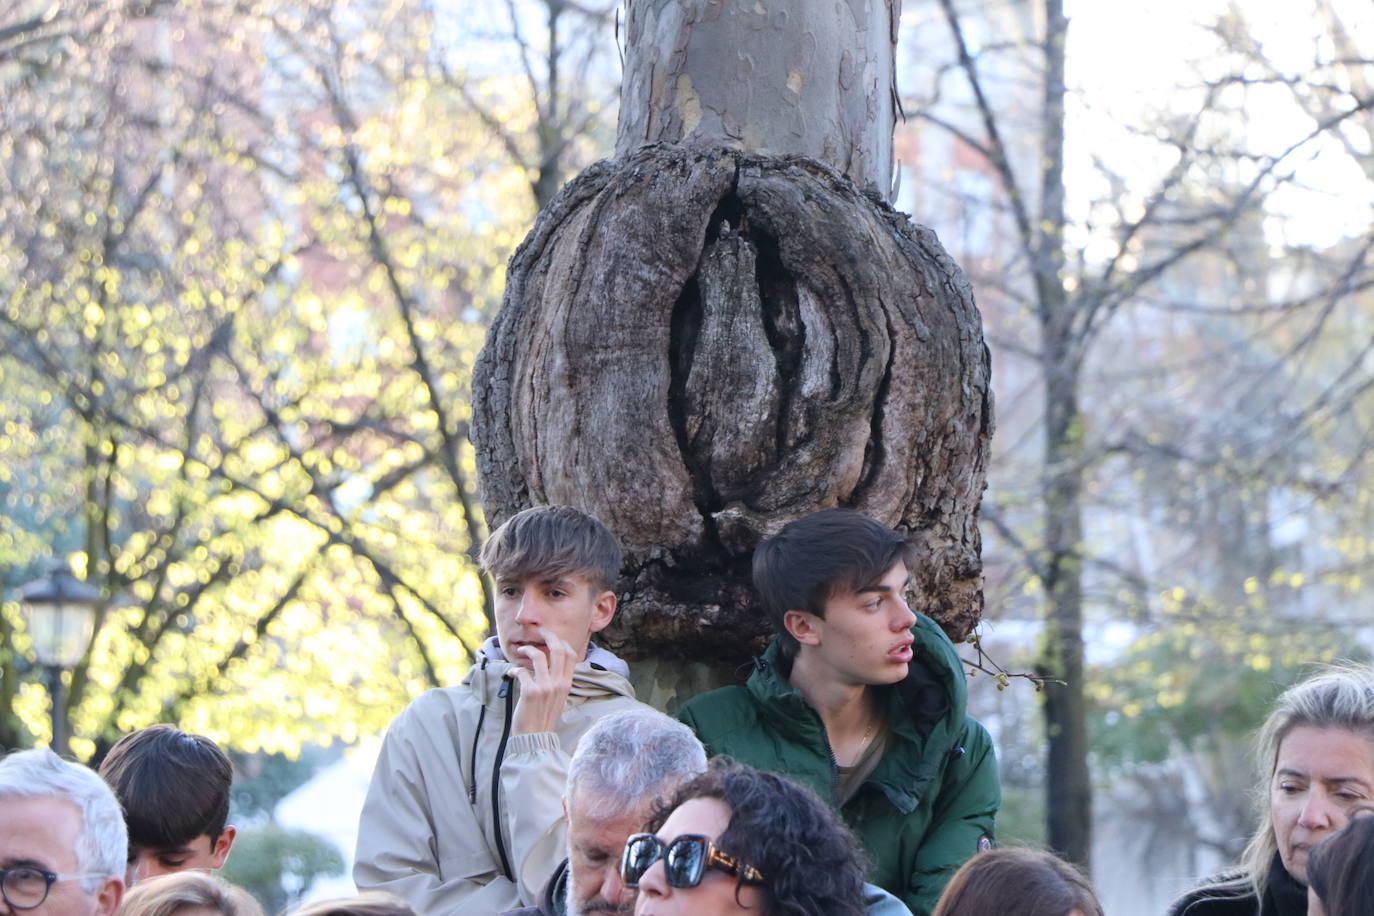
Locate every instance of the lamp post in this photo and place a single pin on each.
(60, 613)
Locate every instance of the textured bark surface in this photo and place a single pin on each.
(781, 77)
(700, 345)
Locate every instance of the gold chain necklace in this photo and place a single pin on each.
(863, 742)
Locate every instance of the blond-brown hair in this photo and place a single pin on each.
(552, 541)
(372, 903)
(168, 895)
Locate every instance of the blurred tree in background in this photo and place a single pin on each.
(276, 864)
(247, 256)
(1173, 720)
(1171, 255)
(248, 252)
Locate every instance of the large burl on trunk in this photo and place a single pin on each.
(698, 345)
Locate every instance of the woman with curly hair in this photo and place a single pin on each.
(736, 840)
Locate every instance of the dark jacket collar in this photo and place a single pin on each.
(1283, 895)
(924, 711)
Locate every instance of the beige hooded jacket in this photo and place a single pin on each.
(461, 816)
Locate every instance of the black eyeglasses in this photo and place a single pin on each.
(25, 887)
(685, 860)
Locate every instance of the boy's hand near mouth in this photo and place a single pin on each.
(545, 685)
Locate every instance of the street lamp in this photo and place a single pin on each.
(60, 613)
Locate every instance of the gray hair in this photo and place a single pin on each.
(629, 759)
(103, 846)
(1338, 697)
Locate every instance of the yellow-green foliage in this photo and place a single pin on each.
(1202, 682)
(246, 263)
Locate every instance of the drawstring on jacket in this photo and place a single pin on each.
(472, 760)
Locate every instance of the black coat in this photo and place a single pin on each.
(552, 899)
(1232, 895)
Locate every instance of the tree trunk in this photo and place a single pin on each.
(699, 343)
(1068, 785)
(804, 77)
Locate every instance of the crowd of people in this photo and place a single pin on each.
(845, 778)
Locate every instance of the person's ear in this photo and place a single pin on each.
(220, 851)
(803, 626)
(603, 609)
(108, 898)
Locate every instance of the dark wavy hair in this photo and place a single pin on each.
(816, 557)
(1015, 881)
(810, 861)
(1341, 867)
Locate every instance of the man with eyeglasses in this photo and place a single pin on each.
(62, 838)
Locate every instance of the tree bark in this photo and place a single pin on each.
(699, 343)
(803, 77)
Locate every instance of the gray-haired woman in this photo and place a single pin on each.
(1316, 751)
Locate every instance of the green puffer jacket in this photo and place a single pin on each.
(931, 801)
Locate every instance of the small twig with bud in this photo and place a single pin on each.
(1001, 676)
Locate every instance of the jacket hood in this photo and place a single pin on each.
(599, 673)
(925, 710)
(935, 678)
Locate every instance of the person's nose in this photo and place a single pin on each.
(613, 889)
(905, 618)
(529, 612)
(144, 867)
(654, 882)
(1317, 812)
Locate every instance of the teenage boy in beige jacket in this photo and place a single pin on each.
(464, 811)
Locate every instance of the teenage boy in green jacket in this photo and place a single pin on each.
(862, 700)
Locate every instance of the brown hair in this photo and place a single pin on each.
(1017, 882)
(172, 785)
(553, 541)
(1341, 867)
(372, 903)
(814, 558)
(168, 895)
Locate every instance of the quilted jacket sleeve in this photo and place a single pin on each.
(970, 794)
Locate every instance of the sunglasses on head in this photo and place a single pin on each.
(685, 860)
